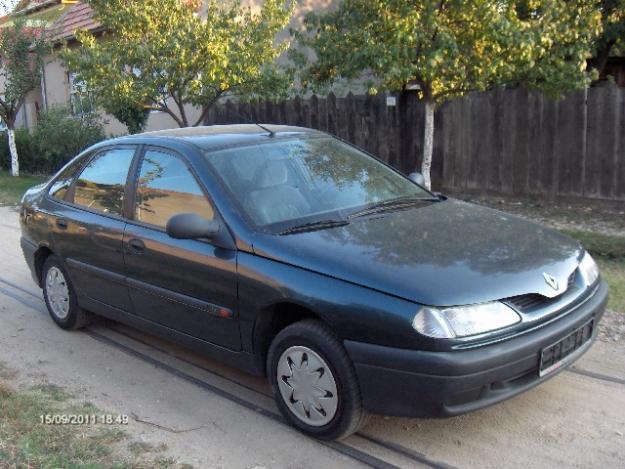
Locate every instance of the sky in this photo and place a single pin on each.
(6, 5)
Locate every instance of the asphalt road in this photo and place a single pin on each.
(210, 415)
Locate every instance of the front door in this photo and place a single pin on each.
(186, 285)
(89, 228)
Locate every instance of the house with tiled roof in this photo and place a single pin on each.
(61, 19)
(56, 18)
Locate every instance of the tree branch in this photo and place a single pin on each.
(180, 104)
(207, 107)
(166, 110)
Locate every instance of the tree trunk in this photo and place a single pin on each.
(428, 142)
(15, 165)
(600, 60)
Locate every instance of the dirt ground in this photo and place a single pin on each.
(596, 216)
(211, 416)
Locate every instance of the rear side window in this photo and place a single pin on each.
(101, 184)
(166, 188)
(61, 184)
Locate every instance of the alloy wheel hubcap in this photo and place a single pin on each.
(57, 292)
(307, 386)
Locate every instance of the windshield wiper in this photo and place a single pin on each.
(315, 225)
(392, 204)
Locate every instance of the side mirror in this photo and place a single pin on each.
(192, 226)
(417, 177)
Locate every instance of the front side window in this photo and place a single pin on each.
(166, 188)
(101, 184)
(284, 182)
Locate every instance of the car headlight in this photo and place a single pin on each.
(463, 321)
(589, 270)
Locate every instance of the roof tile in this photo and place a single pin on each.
(78, 16)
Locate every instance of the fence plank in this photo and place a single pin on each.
(619, 148)
(506, 141)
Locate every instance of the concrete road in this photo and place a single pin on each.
(210, 415)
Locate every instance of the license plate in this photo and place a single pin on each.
(554, 356)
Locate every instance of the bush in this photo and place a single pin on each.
(58, 137)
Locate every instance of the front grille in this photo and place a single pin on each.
(527, 301)
(534, 300)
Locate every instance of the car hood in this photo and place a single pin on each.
(445, 253)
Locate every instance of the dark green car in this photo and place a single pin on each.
(289, 253)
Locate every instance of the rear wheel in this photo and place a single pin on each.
(60, 297)
(314, 381)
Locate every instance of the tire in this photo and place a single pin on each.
(332, 372)
(60, 296)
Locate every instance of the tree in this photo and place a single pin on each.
(447, 48)
(166, 54)
(613, 35)
(22, 50)
(130, 113)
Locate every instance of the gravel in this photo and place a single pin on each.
(612, 327)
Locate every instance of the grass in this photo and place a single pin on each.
(598, 244)
(613, 271)
(12, 188)
(26, 442)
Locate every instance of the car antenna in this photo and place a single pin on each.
(271, 132)
(251, 121)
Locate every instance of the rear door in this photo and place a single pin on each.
(186, 285)
(89, 227)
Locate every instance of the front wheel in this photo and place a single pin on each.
(314, 381)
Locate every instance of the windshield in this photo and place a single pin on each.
(287, 182)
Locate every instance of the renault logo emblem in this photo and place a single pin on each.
(551, 280)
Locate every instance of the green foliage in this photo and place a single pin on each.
(447, 48)
(133, 115)
(21, 57)
(612, 39)
(613, 18)
(451, 47)
(164, 61)
(58, 137)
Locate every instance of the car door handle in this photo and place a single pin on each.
(136, 245)
(61, 223)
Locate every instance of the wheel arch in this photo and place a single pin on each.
(41, 254)
(274, 318)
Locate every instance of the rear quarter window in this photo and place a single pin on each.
(62, 183)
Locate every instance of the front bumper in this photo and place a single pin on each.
(416, 383)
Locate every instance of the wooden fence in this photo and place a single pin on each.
(504, 141)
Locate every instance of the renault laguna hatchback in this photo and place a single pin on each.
(289, 253)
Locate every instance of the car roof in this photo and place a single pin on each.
(221, 136)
